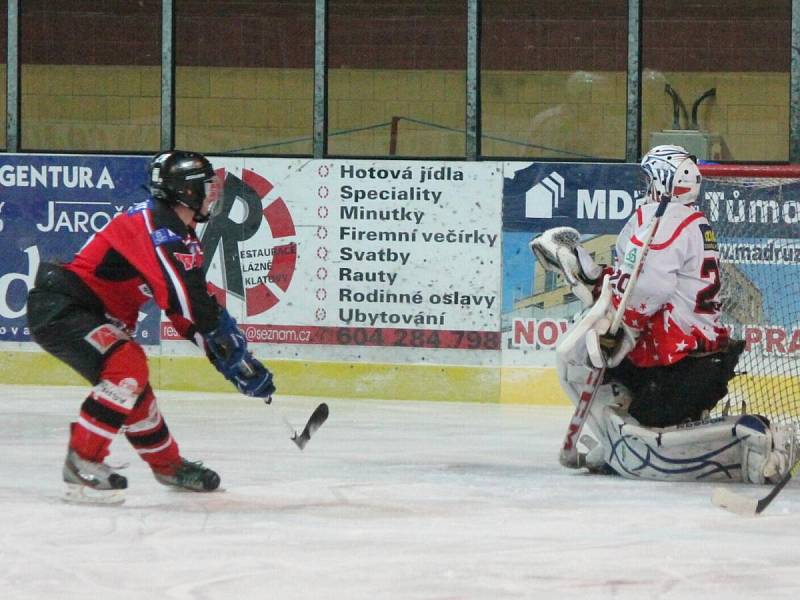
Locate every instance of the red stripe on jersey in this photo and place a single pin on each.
(690, 219)
(639, 218)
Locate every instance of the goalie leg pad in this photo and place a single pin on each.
(706, 451)
(767, 451)
(736, 449)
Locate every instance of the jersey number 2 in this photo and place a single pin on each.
(705, 302)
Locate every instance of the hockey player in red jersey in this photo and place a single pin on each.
(85, 313)
(672, 359)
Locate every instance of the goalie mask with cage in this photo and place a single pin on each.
(670, 171)
(187, 178)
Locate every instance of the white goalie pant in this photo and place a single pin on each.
(720, 449)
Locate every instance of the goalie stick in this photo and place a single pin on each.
(568, 456)
(745, 505)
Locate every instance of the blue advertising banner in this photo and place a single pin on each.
(766, 209)
(592, 198)
(49, 206)
(599, 198)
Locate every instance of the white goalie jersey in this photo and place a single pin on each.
(675, 304)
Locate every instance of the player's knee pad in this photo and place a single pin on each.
(127, 361)
(123, 377)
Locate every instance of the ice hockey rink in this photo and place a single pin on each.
(390, 500)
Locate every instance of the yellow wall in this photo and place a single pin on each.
(359, 98)
(350, 380)
(224, 109)
(583, 113)
(90, 108)
(750, 112)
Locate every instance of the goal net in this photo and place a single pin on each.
(755, 214)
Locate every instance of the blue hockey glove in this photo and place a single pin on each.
(226, 345)
(227, 351)
(253, 379)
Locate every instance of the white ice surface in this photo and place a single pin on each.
(390, 500)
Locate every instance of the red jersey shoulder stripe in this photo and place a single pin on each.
(686, 222)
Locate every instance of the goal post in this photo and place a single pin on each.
(754, 211)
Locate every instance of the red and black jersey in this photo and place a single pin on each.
(148, 252)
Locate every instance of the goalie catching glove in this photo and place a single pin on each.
(559, 251)
(227, 350)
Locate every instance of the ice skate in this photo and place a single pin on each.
(189, 475)
(91, 482)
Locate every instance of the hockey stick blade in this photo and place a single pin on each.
(315, 421)
(739, 504)
(746, 505)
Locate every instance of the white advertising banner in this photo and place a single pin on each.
(381, 254)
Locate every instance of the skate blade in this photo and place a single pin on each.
(81, 494)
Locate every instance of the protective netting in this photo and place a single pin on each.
(755, 214)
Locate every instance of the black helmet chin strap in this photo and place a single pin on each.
(198, 217)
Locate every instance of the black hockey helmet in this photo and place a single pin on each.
(181, 177)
